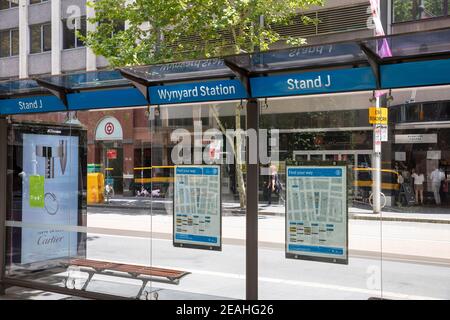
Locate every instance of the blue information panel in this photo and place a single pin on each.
(341, 80)
(197, 92)
(197, 207)
(316, 213)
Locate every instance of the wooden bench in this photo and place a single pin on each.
(130, 271)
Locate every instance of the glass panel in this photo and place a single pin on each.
(4, 43)
(196, 136)
(407, 10)
(403, 10)
(14, 42)
(20, 86)
(4, 4)
(35, 39)
(88, 79)
(82, 30)
(46, 189)
(413, 44)
(326, 128)
(47, 34)
(68, 35)
(416, 235)
(207, 68)
(311, 56)
(432, 9)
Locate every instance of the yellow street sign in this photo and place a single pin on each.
(378, 115)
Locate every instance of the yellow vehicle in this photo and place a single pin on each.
(362, 182)
(151, 178)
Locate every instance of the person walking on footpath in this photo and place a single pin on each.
(419, 178)
(436, 177)
(274, 184)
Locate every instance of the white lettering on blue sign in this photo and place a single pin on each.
(316, 83)
(36, 104)
(197, 91)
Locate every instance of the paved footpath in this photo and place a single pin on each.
(414, 240)
(426, 214)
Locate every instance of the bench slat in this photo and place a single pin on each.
(129, 268)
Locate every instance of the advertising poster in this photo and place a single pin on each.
(316, 213)
(197, 207)
(50, 196)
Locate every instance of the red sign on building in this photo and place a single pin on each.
(111, 154)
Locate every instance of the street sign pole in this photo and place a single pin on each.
(376, 187)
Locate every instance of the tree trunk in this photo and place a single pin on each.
(236, 149)
(239, 164)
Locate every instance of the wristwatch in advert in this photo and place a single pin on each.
(51, 203)
(50, 153)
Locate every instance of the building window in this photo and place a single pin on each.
(411, 10)
(6, 4)
(36, 1)
(9, 43)
(40, 38)
(70, 39)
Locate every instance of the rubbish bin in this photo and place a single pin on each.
(96, 187)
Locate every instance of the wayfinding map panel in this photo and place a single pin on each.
(197, 207)
(316, 213)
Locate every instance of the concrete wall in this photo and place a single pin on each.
(73, 59)
(39, 13)
(9, 18)
(9, 67)
(422, 25)
(40, 63)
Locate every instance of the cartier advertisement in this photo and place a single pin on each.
(49, 169)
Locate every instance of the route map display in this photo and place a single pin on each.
(316, 213)
(197, 207)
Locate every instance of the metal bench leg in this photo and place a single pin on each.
(2, 289)
(144, 284)
(91, 274)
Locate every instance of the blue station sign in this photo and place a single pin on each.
(34, 104)
(355, 79)
(414, 74)
(102, 99)
(197, 92)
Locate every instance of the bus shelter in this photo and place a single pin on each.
(46, 140)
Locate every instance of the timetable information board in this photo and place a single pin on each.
(197, 207)
(316, 213)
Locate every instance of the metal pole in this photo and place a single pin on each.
(3, 198)
(252, 191)
(376, 163)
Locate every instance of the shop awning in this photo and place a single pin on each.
(405, 60)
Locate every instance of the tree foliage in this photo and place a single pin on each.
(162, 30)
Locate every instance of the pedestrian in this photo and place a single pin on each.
(419, 179)
(400, 190)
(273, 184)
(436, 177)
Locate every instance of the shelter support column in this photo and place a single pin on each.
(3, 198)
(252, 189)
